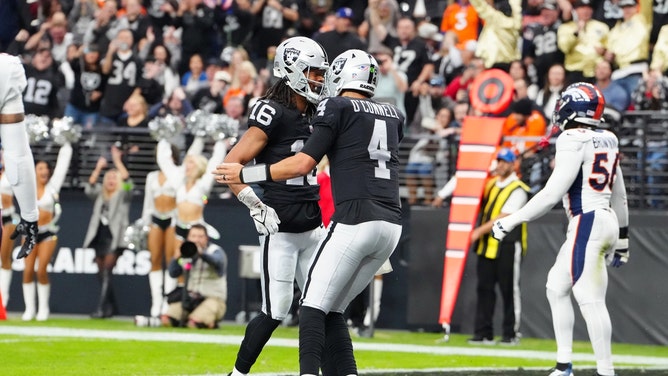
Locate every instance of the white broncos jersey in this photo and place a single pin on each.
(586, 177)
(595, 154)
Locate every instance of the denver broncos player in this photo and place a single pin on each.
(360, 138)
(289, 223)
(588, 177)
(17, 155)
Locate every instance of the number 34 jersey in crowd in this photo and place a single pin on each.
(361, 138)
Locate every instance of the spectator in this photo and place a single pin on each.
(448, 59)
(499, 261)
(107, 224)
(210, 99)
(79, 18)
(548, 95)
(463, 81)
(392, 83)
(54, 30)
(524, 121)
(518, 71)
(85, 97)
(498, 41)
(123, 69)
(40, 95)
(539, 41)
(615, 95)
(379, 12)
(243, 83)
(137, 20)
(162, 57)
(660, 54)
(273, 17)
(627, 45)
(235, 109)
(410, 55)
(583, 42)
(608, 11)
(195, 78)
(195, 19)
(48, 187)
(176, 104)
(105, 27)
(461, 18)
(342, 38)
(652, 92)
(206, 283)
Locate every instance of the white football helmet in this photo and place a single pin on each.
(295, 57)
(353, 69)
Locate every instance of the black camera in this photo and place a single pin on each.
(188, 249)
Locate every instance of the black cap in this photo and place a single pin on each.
(549, 4)
(582, 3)
(627, 3)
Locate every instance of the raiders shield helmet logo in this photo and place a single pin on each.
(337, 66)
(290, 56)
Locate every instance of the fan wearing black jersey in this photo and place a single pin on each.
(360, 137)
(288, 217)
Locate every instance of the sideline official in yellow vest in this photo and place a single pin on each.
(499, 262)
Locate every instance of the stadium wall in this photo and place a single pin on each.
(637, 294)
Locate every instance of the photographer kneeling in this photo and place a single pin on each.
(204, 267)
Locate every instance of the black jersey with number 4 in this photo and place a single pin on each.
(361, 139)
(295, 200)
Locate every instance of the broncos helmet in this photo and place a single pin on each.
(353, 69)
(580, 103)
(295, 57)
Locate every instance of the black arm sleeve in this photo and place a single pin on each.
(175, 268)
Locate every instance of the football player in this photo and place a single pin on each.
(588, 179)
(17, 154)
(360, 137)
(288, 216)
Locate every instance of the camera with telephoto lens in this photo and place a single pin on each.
(188, 250)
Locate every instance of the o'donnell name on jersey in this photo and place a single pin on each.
(374, 108)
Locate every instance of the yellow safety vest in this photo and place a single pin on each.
(495, 198)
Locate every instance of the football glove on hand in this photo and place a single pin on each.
(29, 230)
(265, 217)
(499, 231)
(621, 254)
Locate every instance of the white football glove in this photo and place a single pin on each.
(265, 218)
(621, 254)
(499, 231)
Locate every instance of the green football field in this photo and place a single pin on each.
(82, 346)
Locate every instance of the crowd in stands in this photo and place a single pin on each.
(122, 62)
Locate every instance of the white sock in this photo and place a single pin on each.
(29, 300)
(599, 329)
(5, 284)
(377, 295)
(563, 320)
(43, 294)
(170, 285)
(236, 372)
(155, 284)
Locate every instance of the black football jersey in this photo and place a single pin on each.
(362, 144)
(121, 82)
(287, 131)
(410, 58)
(40, 95)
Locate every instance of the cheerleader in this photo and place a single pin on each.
(7, 244)
(48, 190)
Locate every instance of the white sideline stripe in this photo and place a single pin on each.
(293, 343)
(477, 148)
(471, 174)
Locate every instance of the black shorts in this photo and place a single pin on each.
(102, 242)
(6, 219)
(162, 223)
(42, 236)
(182, 231)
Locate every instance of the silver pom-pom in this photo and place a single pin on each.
(37, 127)
(166, 127)
(135, 237)
(223, 127)
(197, 123)
(64, 130)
